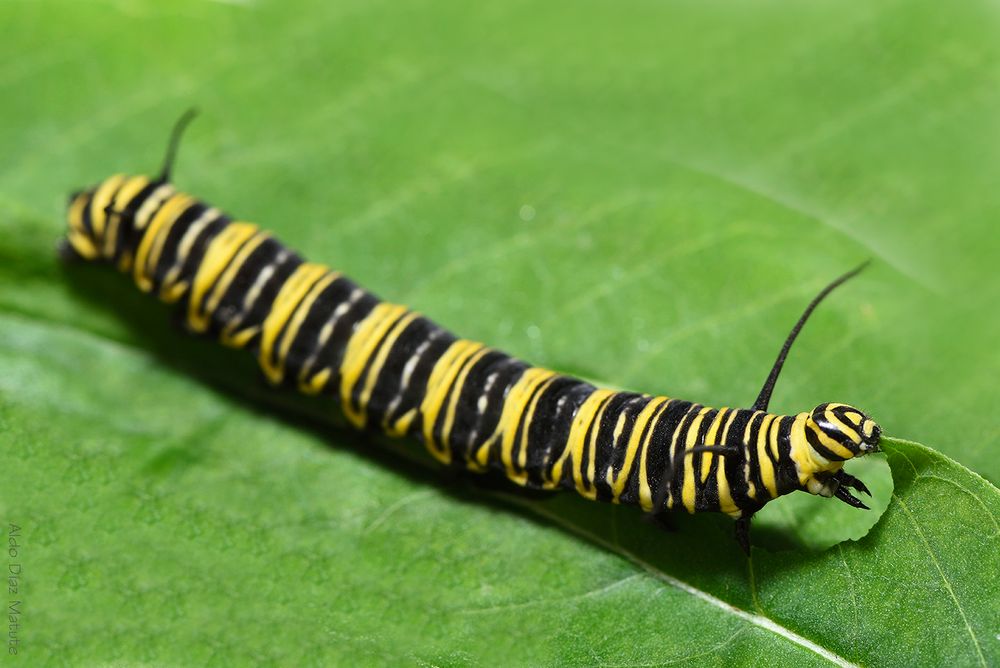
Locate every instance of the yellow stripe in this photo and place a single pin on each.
(751, 487)
(801, 451)
(82, 245)
(161, 236)
(221, 285)
(126, 193)
(172, 290)
(577, 432)
(449, 415)
(402, 424)
(220, 252)
(301, 312)
(75, 215)
(100, 202)
(763, 461)
(292, 292)
(152, 203)
(773, 442)
(514, 407)
(442, 376)
(314, 385)
(832, 445)
(688, 489)
(148, 253)
(710, 440)
(645, 493)
(615, 435)
(380, 357)
(169, 292)
(522, 455)
(125, 262)
(726, 503)
(366, 337)
(241, 338)
(645, 415)
(672, 453)
(844, 427)
(77, 235)
(585, 484)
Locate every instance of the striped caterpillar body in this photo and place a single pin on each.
(473, 407)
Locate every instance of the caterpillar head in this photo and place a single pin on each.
(823, 440)
(837, 432)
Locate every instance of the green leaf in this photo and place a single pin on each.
(644, 194)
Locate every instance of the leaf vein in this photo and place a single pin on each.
(947, 583)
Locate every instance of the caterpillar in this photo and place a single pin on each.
(473, 407)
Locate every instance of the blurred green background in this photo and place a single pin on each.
(645, 194)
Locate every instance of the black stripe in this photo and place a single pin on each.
(415, 392)
(388, 384)
(85, 220)
(438, 427)
(709, 493)
(193, 260)
(786, 473)
(331, 354)
(359, 385)
(226, 309)
(733, 465)
(93, 201)
(171, 245)
(753, 456)
(702, 500)
(600, 415)
(127, 239)
(814, 441)
(131, 237)
(522, 437)
(611, 451)
(470, 427)
(549, 431)
(630, 493)
(231, 312)
(675, 483)
(659, 467)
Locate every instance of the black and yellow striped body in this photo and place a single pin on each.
(394, 370)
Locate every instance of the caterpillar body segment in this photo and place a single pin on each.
(391, 369)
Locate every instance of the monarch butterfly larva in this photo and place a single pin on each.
(473, 407)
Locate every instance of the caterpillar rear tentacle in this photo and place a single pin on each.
(393, 370)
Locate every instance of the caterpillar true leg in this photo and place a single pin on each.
(849, 499)
(847, 480)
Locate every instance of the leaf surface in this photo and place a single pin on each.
(645, 195)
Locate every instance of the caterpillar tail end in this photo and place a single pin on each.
(66, 252)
